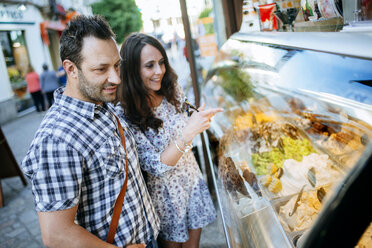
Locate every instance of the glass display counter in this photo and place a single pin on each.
(297, 124)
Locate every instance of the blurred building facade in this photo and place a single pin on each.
(30, 31)
(29, 35)
(210, 23)
(164, 19)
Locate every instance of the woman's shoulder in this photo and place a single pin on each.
(117, 107)
(119, 111)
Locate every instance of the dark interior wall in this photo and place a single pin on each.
(233, 15)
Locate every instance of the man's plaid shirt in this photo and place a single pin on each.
(77, 157)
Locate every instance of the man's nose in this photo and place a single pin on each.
(114, 76)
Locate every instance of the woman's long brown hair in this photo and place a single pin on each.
(134, 97)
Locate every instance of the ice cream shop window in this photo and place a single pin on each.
(16, 58)
(307, 15)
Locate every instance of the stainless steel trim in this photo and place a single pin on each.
(342, 43)
(206, 143)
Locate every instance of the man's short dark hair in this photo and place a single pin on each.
(80, 27)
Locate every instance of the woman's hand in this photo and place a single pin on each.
(198, 122)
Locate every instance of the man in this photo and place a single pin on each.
(76, 163)
(49, 83)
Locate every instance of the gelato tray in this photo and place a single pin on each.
(297, 213)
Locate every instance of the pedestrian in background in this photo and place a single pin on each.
(33, 86)
(77, 162)
(62, 78)
(49, 83)
(151, 100)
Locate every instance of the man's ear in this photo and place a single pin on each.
(70, 68)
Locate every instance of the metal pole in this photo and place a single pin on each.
(190, 52)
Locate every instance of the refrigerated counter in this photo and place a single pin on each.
(294, 139)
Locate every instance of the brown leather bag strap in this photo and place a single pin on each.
(120, 200)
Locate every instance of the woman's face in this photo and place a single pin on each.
(152, 68)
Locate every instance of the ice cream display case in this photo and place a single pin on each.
(296, 129)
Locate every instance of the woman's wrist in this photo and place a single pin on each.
(178, 147)
(186, 145)
(186, 137)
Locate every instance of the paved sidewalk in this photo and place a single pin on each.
(19, 226)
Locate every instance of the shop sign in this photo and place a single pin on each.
(207, 37)
(10, 14)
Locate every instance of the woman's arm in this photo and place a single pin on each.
(157, 162)
(199, 122)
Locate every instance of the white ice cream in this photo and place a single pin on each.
(295, 174)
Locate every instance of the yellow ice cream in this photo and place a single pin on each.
(243, 121)
(247, 120)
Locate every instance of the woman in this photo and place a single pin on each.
(151, 102)
(33, 86)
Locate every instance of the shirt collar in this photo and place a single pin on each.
(83, 108)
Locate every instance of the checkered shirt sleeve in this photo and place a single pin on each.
(58, 180)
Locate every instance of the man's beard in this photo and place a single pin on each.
(92, 91)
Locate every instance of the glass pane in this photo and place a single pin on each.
(17, 61)
(7, 48)
(19, 51)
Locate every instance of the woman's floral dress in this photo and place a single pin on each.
(179, 193)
